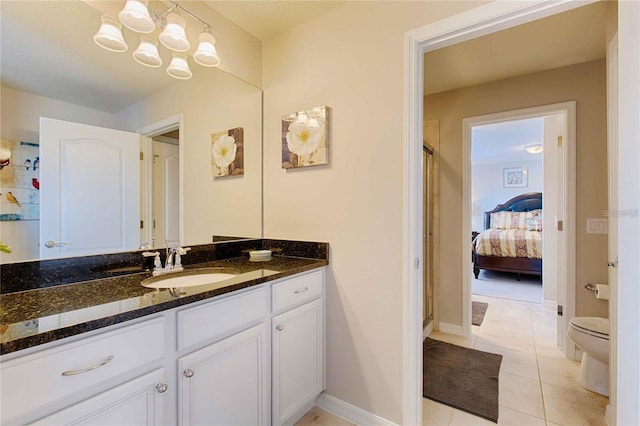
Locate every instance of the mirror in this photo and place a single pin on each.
(52, 68)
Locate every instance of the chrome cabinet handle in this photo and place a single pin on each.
(162, 387)
(301, 291)
(52, 244)
(84, 370)
(279, 327)
(188, 372)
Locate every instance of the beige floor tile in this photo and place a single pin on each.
(514, 362)
(560, 372)
(509, 417)
(513, 341)
(544, 331)
(317, 416)
(548, 349)
(520, 326)
(521, 394)
(540, 315)
(435, 414)
(467, 342)
(461, 418)
(568, 407)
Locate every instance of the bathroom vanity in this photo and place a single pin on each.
(247, 350)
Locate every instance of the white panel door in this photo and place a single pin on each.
(89, 189)
(226, 383)
(166, 186)
(139, 402)
(298, 342)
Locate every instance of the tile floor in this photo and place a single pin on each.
(537, 384)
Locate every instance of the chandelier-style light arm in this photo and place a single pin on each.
(175, 5)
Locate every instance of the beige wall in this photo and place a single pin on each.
(584, 83)
(210, 104)
(20, 115)
(351, 59)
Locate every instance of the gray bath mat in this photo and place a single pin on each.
(478, 309)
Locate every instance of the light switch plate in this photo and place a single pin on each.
(597, 226)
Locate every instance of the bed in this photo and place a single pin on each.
(512, 238)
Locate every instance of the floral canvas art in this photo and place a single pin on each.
(227, 153)
(305, 140)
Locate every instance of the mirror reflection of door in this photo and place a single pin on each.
(165, 213)
(89, 186)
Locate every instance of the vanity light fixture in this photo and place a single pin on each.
(535, 148)
(137, 17)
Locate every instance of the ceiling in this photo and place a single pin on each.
(505, 142)
(62, 64)
(564, 39)
(263, 19)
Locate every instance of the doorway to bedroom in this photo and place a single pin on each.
(534, 198)
(506, 209)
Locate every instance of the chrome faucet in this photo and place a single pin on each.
(173, 261)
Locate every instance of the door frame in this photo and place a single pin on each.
(155, 129)
(568, 111)
(474, 23)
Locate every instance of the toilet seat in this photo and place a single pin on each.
(594, 326)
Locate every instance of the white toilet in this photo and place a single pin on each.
(591, 335)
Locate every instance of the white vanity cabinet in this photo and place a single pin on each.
(297, 346)
(141, 401)
(225, 382)
(58, 378)
(251, 357)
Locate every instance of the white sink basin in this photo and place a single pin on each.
(187, 278)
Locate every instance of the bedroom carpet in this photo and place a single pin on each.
(463, 378)
(478, 309)
(505, 285)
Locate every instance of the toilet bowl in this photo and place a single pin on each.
(591, 335)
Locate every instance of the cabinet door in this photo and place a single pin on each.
(298, 359)
(139, 402)
(226, 383)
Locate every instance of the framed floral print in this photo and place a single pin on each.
(305, 140)
(227, 153)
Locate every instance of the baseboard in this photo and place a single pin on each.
(427, 330)
(608, 415)
(350, 412)
(550, 304)
(450, 328)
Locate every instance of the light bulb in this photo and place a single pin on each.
(147, 52)
(173, 37)
(135, 16)
(109, 36)
(179, 67)
(206, 54)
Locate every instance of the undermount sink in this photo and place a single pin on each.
(189, 278)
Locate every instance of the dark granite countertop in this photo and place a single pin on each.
(33, 317)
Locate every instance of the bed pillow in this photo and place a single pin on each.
(534, 223)
(513, 220)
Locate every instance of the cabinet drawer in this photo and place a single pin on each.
(42, 378)
(222, 317)
(297, 290)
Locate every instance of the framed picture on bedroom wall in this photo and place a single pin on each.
(515, 177)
